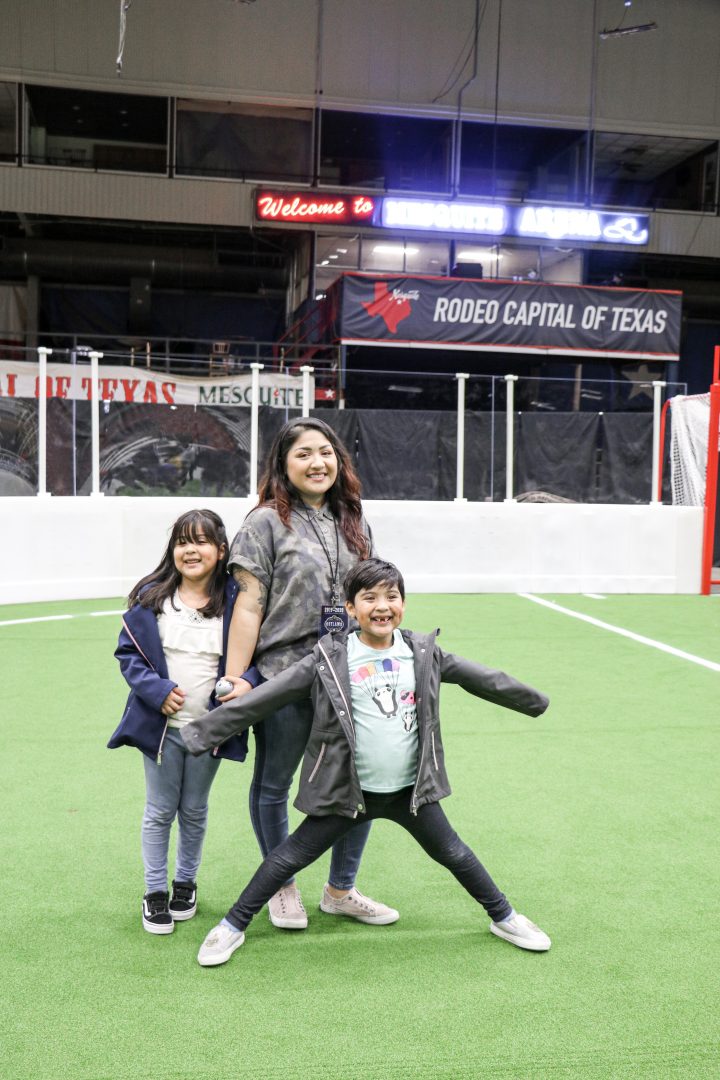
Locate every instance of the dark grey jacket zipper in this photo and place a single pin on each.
(348, 710)
(423, 691)
(318, 763)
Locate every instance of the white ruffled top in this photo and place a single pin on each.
(192, 645)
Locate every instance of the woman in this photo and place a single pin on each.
(289, 559)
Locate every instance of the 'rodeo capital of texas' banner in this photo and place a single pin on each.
(508, 316)
(141, 386)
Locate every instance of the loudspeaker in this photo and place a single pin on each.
(140, 297)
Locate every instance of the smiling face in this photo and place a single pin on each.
(311, 466)
(379, 611)
(196, 560)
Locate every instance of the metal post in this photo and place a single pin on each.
(43, 354)
(95, 422)
(254, 406)
(342, 375)
(658, 388)
(307, 371)
(462, 378)
(492, 438)
(510, 381)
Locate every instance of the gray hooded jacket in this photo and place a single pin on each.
(329, 782)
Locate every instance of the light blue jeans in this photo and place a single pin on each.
(280, 742)
(178, 787)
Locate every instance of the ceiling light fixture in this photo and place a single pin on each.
(621, 31)
(394, 249)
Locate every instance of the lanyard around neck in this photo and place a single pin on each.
(334, 571)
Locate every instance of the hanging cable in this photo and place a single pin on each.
(469, 49)
(124, 5)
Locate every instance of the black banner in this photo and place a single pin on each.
(511, 316)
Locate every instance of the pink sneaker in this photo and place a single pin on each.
(357, 906)
(286, 909)
(518, 930)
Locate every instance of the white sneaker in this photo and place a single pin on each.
(518, 930)
(219, 945)
(286, 909)
(357, 906)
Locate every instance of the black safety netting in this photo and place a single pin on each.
(399, 454)
(557, 453)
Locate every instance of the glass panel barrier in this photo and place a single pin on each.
(174, 432)
(18, 446)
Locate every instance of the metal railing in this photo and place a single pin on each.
(500, 391)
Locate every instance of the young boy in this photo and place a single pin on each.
(374, 750)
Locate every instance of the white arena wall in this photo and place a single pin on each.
(93, 547)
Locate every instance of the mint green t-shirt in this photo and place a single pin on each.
(382, 684)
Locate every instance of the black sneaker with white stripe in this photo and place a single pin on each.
(156, 915)
(183, 902)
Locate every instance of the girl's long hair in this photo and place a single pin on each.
(154, 589)
(343, 497)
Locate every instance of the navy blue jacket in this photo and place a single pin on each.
(142, 662)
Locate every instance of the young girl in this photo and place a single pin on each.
(171, 652)
(375, 750)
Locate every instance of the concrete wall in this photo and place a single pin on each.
(65, 548)
(399, 55)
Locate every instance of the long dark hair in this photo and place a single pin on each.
(154, 589)
(343, 497)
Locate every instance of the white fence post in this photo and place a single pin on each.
(462, 378)
(43, 354)
(510, 381)
(307, 371)
(658, 387)
(95, 421)
(254, 406)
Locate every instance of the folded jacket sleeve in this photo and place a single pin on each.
(139, 674)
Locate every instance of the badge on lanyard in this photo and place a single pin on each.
(333, 619)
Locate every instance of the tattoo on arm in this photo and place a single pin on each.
(256, 592)
(241, 577)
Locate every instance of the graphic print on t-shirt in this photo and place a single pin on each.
(379, 680)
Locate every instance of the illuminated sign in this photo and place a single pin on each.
(562, 223)
(454, 216)
(314, 208)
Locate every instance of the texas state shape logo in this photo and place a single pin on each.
(388, 307)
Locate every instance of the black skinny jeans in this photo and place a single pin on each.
(316, 835)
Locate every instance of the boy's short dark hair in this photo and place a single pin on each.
(369, 573)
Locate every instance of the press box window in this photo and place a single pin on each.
(243, 142)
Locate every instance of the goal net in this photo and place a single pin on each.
(690, 419)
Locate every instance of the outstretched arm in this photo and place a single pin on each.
(237, 715)
(492, 685)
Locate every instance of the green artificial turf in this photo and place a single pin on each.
(599, 820)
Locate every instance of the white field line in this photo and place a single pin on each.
(55, 618)
(623, 633)
(39, 618)
(595, 596)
